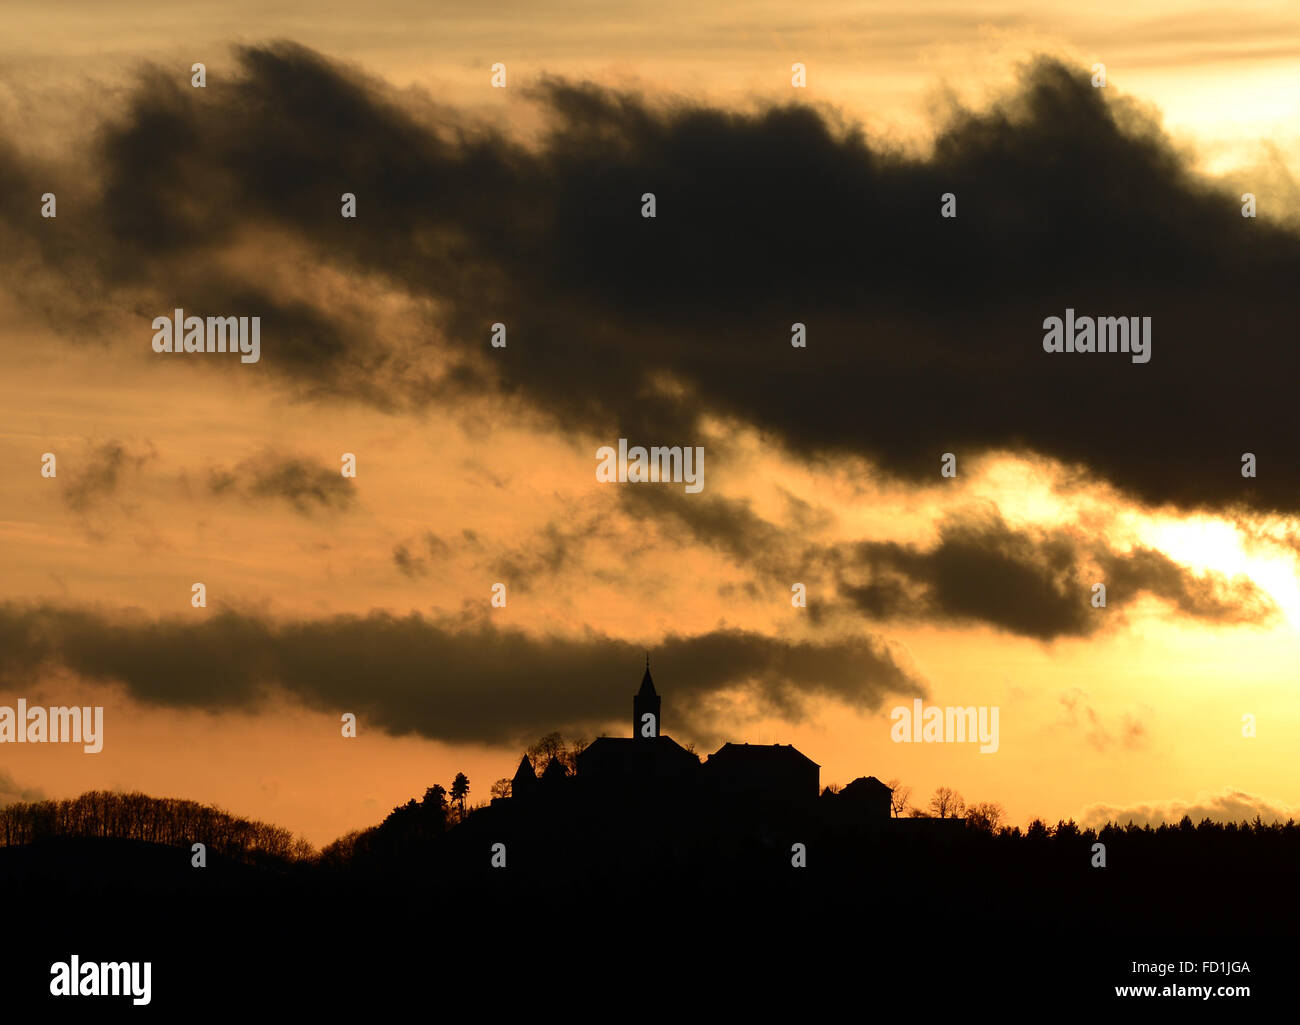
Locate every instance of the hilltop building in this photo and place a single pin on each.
(647, 758)
(763, 771)
(650, 764)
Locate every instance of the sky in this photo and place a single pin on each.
(476, 465)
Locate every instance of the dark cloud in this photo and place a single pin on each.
(924, 333)
(408, 564)
(305, 485)
(97, 475)
(777, 553)
(1210, 596)
(1036, 583)
(413, 565)
(449, 681)
(728, 524)
(1032, 582)
(554, 549)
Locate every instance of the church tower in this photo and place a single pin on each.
(525, 778)
(646, 703)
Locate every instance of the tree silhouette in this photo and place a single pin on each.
(502, 787)
(986, 816)
(158, 820)
(459, 788)
(554, 747)
(947, 803)
(541, 753)
(570, 754)
(901, 795)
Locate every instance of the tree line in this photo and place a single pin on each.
(171, 821)
(415, 828)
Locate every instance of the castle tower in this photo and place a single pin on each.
(525, 778)
(646, 704)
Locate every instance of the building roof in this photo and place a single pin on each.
(865, 784)
(635, 754)
(759, 753)
(647, 685)
(554, 769)
(525, 770)
(636, 744)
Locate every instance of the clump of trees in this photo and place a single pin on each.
(947, 803)
(556, 746)
(161, 820)
(413, 828)
(410, 831)
(986, 816)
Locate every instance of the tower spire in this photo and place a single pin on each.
(645, 707)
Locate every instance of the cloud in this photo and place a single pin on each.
(554, 549)
(98, 475)
(1031, 582)
(11, 792)
(409, 565)
(441, 679)
(1081, 717)
(728, 524)
(305, 485)
(1227, 806)
(1034, 582)
(415, 566)
(924, 332)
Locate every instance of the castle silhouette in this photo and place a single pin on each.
(649, 765)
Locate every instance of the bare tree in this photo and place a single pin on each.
(570, 754)
(556, 747)
(502, 787)
(947, 803)
(541, 753)
(986, 816)
(152, 820)
(898, 800)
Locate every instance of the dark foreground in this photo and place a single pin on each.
(620, 925)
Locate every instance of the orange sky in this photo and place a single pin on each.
(1145, 713)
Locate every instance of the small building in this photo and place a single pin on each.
(766, 772)
(867, 799)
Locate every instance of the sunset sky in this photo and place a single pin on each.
(476, 465)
